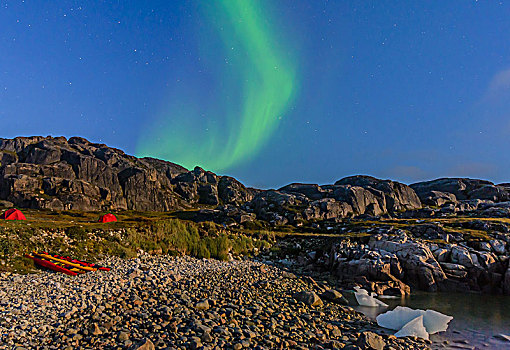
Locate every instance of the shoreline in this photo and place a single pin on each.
(181, 302)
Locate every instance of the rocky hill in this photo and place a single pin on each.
(76, 174)
(56, 173)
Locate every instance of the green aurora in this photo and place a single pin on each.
(251, 93)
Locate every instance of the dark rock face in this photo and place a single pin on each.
(198, 186)
(352, 196)
(451, 189)
(394, 196)
(56, 173)
(232, 191)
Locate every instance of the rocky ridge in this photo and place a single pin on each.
(76, 174)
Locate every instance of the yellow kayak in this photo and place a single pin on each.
(55, 266)
(78, 266)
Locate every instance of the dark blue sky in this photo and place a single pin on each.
(395, 89)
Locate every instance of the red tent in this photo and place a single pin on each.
(107, 218)
(13, 214)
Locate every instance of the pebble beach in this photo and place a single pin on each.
(162, 302)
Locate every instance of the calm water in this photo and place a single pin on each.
(476, 318)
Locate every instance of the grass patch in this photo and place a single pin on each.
(153, 234)
(470, 234)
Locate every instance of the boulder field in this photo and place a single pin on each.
(395, 261)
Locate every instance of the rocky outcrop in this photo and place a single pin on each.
(76, 174)
(420, 266)
(392, 261)
(56, 173)
(445, 190)
(353, 196)
(397, 196)
(231, 191)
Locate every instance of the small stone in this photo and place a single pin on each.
(202, 305)
(145, 344)
(206, 337)
(195, 343)
(122, 336)
(336, 332)
(96, 330)
(372, 341)
(288, 275)
(309, 298)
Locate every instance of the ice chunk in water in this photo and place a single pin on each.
(435, 321)
(389, 297)
(503, 337)
(360, 290)
(415, 328)
(397, 318)
(368, 300)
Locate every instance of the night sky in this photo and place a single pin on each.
(270, 92)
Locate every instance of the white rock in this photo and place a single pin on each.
(413, 328)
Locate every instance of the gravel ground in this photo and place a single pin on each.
(181, 303)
